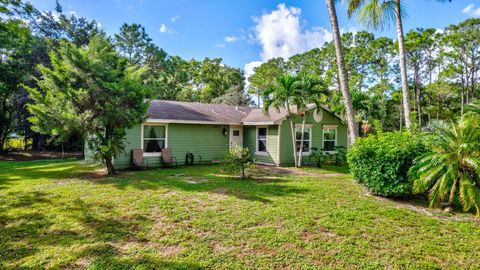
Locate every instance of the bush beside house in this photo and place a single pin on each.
(381, 162)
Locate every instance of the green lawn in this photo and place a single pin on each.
(61, 214)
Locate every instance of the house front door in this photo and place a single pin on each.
(236, 136)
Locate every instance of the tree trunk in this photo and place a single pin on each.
(300, 154)
(342, 74)
(418, 96)
(63, 152)
(451, 197)
(403, 65)
(292, 126)
(110, 167)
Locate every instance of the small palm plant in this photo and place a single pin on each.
(452, 169)
(295, 93)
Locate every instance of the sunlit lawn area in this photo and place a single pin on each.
(62, 214)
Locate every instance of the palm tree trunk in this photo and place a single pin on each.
(452, 193)
(292, 127)
(301, 143)
(403, 65)
(342, 74)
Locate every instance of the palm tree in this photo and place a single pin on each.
(342, 73)
(311, 91)
(378, 14)
(294, 93)
(452, 169)
(283, 95)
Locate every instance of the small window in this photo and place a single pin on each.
(236, 133)
(262, 140)
(306, 139)
(329, 139)
(153, 139)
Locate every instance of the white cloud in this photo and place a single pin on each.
(231, 39)
(281, 34)
(470, 10)
(163, 28)
(175, 18)
(248, 69)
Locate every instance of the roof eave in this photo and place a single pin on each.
(198, 122)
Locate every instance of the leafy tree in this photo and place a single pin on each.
(342, 74)
(420, 45)
(92, 88)
(461, 54)
(233, 96)
(265, 76)
(212, 79)
(15, 48)
(134, 43)
(168, 76)
(378, 14)
(450, 171)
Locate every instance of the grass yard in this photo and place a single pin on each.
(62, 214)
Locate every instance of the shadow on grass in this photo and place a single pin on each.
(26, 231)
(206, 178)
(12, 171)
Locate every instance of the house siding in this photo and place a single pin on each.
(209, 142)
(205, 140)
(286, 147)
(249, 140)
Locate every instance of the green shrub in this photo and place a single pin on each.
(317, 157)
(381, 162)
(237, 160)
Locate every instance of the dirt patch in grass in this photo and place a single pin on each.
(294, 171)
(436, 213)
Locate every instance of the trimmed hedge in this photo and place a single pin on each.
(381, 162)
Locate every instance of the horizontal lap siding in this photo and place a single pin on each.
(249, 140)
(205, 140)
(286, 147)
(133, 140)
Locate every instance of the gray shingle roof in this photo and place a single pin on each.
(194, 111)
(215, 113)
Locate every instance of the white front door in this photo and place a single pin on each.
(236, 136)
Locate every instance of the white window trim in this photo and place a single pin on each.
(142, 140)
(307, 127)
(326, 127)
(256, 142)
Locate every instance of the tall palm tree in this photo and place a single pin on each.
(378, 14)
(452, 169)
(342, 73)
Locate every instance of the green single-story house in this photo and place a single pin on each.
(209, 130)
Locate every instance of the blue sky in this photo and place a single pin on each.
(245, 33)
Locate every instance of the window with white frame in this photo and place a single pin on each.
(307, 132)
(261, 139)
(153, 138)
(329, 138)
